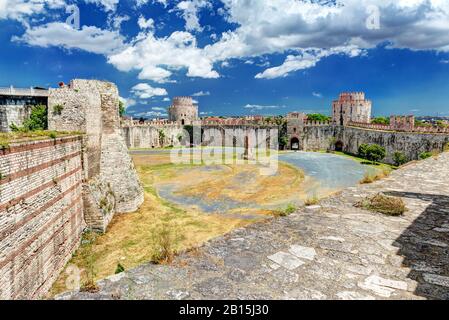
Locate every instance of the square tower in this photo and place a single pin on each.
(351, 107)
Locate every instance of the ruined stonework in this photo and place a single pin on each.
(351, 106)
(183, 111)
(91, 107)
(41, 213)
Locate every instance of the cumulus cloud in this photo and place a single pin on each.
(145, 24)
(108, 5)
(21, 9)
(179, 51)
(88, 38)
(190, 10)
(268, 27)
(145, 91)
(307, 31)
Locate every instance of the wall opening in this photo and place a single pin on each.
(338, 146)
(294, 144)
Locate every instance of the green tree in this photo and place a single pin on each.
(425, 155)
(121, 108)
(399, 158)
(381, 120)
(318, 117)
(375, 153)
(161, 137)
(363, 150)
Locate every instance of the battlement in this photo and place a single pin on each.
(349, 96)
(183, 101)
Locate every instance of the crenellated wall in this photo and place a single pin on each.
(41, 213)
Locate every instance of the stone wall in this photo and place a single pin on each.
(148, 136)
(412, 144)
(41, 213)
(112, 185)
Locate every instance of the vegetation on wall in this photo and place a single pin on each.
(381, 120)
(57, 109)
(36, 121)
(318, 117)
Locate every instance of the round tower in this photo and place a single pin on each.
(183, 110)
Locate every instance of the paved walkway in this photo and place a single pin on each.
(330, 251)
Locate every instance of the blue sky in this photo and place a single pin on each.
(236, 57)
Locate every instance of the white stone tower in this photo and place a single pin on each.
(183, 110)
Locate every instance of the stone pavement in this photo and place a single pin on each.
(329, 251)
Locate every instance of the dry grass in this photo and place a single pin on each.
(135, 238)
(370, 177)
(381, 203)
(311, 201)
(11, 137)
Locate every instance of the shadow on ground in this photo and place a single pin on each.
(425, 246)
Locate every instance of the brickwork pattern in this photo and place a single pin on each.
(41, 213)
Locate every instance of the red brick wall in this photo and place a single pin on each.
(41, 213)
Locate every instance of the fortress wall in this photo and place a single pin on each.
(322, 137)
(409, 143)
(41, 213)
(147, 137)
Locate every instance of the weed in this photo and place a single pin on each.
(312, 201)
(381, 203)
(119, 268)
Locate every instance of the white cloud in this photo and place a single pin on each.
(190, 10)
(151, 114)
(262, 107)
(88, 38)
(145, 91)
(444, 61)
(305, 25)
(145, 24)
(21, 9)
(158, 109)
(201, 94)
(116, 21)
(317, 95)
(166, 99)
(108, 5)
(179, 51)
(127, 102)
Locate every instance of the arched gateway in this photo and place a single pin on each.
(294, 143)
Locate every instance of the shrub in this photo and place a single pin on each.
(375, 153)
(119, 268)
(425, 155)
(121, 108)
(52, 135)
(37, 120)
(362, 151)
(391, 206)
(399, 158)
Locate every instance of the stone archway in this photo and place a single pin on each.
(339, 146)
(294, 143)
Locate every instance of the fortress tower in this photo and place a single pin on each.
(351, 106)
(183, 110)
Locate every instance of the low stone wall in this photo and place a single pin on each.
(41, 213)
